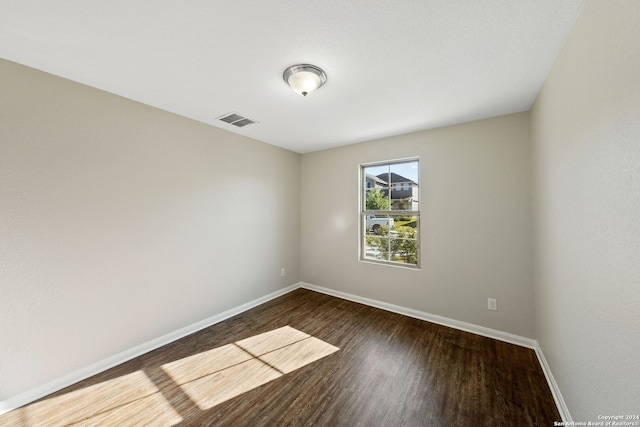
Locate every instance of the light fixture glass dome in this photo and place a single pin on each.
(304, 78)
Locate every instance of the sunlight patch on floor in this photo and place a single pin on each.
(165, 396)
(217, 375)
(128, 400)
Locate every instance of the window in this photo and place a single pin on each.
(390, 215)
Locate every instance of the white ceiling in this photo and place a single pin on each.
(393, 66)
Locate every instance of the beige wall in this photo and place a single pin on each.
(586, 148)
(475, 218)
(120, 223)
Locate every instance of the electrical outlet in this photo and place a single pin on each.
(492, 304)
(282, 272)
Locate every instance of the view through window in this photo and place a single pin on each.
(390, 215)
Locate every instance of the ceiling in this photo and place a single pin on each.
(393, 66)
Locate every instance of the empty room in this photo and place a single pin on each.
(304, 213)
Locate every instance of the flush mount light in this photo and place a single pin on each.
(304, 78)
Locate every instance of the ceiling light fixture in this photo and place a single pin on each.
(304, 78)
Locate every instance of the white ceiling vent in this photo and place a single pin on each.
(236, 119)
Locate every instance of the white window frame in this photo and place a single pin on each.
(363, 212)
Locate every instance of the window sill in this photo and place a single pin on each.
(390, 264)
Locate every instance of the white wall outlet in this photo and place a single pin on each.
(492, 304)
(282, 272)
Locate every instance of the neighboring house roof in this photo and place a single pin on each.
(376, 179)
(394, 178)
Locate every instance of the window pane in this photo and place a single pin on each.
(404, 186)
(376, 199)
(376, 187)
(403, 246)
(377, 225)
(376, 248)
(376, 237)
(404, 251)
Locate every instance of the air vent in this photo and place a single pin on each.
(243, 122)
(236, 120)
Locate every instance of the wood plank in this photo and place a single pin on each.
(341, 364)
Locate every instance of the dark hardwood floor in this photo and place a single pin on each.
(390, 370)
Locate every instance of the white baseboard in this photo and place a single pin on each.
(81, 374)
(102, 365)
(433, 318)
(463, 326)
(553, 386)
